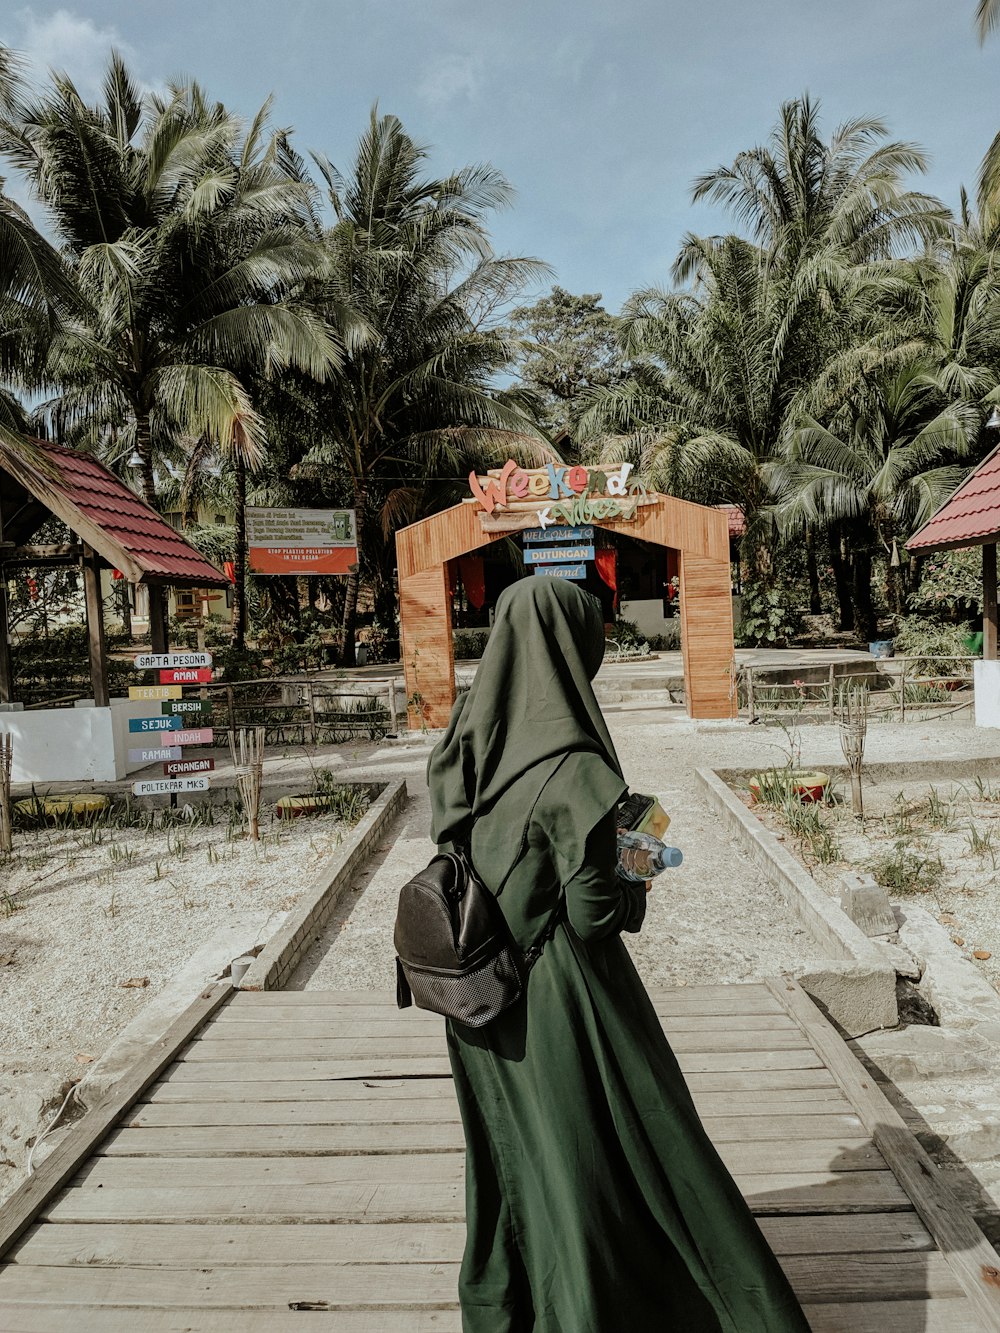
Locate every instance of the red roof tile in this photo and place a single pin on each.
(118, 524)
(737, 520)
(970, 517)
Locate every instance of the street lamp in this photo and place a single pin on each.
(135, 462)
(994, 421)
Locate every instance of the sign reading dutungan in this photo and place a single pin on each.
(302, 541)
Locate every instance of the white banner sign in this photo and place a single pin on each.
(164, 786)
(164, 661)
(303, 528)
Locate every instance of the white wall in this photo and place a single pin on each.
(81, 744)
(987, 679)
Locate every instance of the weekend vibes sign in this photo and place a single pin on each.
(513, 497)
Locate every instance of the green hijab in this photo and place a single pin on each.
(531, 704)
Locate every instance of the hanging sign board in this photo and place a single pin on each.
(154, 691)
(154, 724)
(558, 534)
(551, 555)
(158, 661)
(160, 756)
(574, 572)
(302, 541)
(512, 498)
(164, 786)
(185, 707)
(176, 768)
(186, 676)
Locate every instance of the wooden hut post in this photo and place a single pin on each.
(989, 602)
(158, 636)
(428, 648)
(6, 666)
(95, 627)
(707, 635)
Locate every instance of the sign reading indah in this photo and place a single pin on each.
(512, 497)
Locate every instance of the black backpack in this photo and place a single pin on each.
(455, 954)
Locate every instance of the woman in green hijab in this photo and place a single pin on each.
(595, 1201)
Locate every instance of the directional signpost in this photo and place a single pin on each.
(168, 786)
(559, 553)
(166, 731)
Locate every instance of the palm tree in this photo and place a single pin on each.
(881, 467)
(409, 256)
(189, 241)
(987, 17)
(837, 204)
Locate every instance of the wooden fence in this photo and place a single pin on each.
(897, 686)
(300, 710)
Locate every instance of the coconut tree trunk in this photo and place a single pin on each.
(144, 447)
(126, 608)
(353, 586)
(841, 579)
(865, 625)
(812, 571)
(240, 557)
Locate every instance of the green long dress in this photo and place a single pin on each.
(595, 1200)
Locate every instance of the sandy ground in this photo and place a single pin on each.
(938, 841)
(83, 911)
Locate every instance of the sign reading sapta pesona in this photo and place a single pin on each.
(302, 541)
(167, 661)
(511, 498)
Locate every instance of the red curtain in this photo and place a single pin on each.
(473, 579)
(606, 559)
(229, 569)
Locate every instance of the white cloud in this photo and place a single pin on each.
(68, 43)
(450, 77)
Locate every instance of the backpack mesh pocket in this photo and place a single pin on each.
(474, 998)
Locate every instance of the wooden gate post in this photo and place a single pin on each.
(427, 647)
(707, 636)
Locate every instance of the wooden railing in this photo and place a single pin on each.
(896, 686)
(299, 709)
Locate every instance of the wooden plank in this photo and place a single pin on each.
(435, 1200)
(870, 1277)
(170, 1089)
(196, 1067)
(304, 1159)
(402, 1285)
(935, 1316)
(196, 1082)
(68, 1319)
(743, 997)
(779, 1113)
(376, 1286)
(300, 1041)
(181, 1245)
(284, 1136)
(970, 1254)
(371, 1021)
(25, 1203)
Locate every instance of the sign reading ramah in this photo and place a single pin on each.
(511, 498)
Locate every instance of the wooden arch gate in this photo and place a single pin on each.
(699, 535)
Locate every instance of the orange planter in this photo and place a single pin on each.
(807, 784)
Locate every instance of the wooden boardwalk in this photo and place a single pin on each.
(299, 1166)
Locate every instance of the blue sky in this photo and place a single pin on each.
(600, 114)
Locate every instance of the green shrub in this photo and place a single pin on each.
(905, 871)
(470, 643)
(768, 619)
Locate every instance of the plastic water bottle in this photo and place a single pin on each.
(642, 857)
